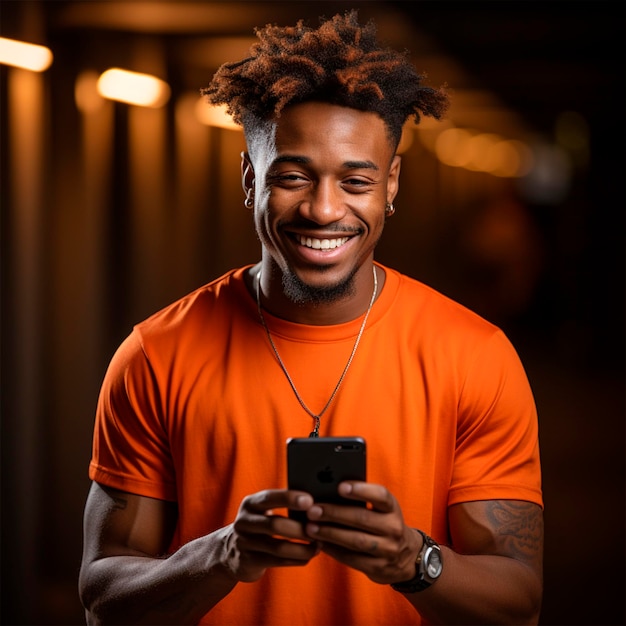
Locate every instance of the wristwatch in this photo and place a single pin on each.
(428, 567)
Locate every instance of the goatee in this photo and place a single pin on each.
(302, 294)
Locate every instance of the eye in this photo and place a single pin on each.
(357, 185)
(288, 180)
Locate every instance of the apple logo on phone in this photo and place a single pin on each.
(325, 475)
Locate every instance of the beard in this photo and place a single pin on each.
(303, 294)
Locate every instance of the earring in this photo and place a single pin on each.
(249, 201)
(389, 209)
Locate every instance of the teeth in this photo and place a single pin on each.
(322, 244)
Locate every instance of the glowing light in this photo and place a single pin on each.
(509, 159)
(133, 88)
(478, 151)
(484, 152)
(505, 160)
(214, 115)
(28, 56)
(451, 146)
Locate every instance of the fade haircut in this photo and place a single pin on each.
(340, 62)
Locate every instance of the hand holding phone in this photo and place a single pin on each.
(318, 464)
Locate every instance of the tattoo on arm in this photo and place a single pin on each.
(518, 525)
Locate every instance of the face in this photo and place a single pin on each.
(321, 176)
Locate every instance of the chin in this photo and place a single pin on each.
(303, 293)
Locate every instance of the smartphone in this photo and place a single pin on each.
(318, 464)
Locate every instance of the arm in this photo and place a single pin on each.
(127, 578)
(493, 575)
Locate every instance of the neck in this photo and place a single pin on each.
(344, 309)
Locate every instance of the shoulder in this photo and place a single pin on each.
(207, 306)
(443, 331)
(177, 333)
(422, 305)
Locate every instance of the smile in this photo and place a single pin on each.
(321, 244)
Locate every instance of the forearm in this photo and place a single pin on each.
(481, 589)
(178, 589)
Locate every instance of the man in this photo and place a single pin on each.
(185, 521)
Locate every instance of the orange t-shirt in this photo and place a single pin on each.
(195, 409)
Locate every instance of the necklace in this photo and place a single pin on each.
(317, 417)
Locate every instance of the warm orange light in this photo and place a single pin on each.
(133, 88)
(214, 115)
(28, 56)
(429, 130)
(510, 159)
(86, 93)
(451, 146)
(479, 148)
(484, 152)
(406, 140)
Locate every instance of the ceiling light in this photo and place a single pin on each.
(133, 88)
(28, 56)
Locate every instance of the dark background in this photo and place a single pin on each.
(105, 221)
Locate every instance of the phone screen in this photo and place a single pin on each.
(318, 464)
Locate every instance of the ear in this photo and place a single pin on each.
(247, 174)
(393, 181)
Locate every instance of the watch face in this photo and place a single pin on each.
(432, 560)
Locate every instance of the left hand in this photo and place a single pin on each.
(373, 540)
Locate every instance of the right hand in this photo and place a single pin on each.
(259, 539)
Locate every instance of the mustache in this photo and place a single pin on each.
(309, 225)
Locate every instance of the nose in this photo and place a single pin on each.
(324, 203)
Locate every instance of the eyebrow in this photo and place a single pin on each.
(361, 165)
(352, 165)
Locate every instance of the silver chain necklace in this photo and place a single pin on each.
(316, 417)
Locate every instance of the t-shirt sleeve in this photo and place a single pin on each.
(130, 443)
(497, 447)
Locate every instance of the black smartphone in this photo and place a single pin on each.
(318, 464)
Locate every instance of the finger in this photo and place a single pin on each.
(354, 541)
(355, 517)
(380, 498)
(269, 525)
(257, 513)
(268, 499)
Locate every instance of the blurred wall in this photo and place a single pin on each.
(110, 212)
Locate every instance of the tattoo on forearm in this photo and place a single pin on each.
(519, 526)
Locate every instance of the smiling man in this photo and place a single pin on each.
(321, 184)
(186, 518)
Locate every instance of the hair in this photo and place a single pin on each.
(340, 63)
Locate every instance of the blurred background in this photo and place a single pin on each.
(514, 205)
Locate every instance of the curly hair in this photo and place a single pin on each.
(340, 62)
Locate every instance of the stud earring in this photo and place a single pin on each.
(389, 209)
